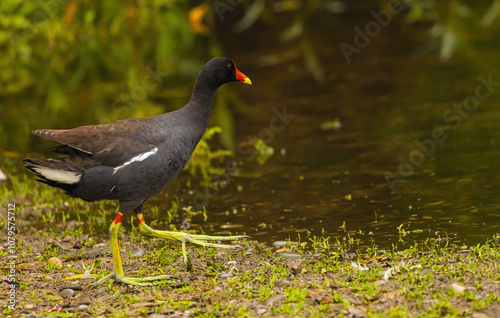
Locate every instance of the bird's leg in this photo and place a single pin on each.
(145, 230)
(117, 273)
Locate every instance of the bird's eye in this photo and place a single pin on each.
(229, 66)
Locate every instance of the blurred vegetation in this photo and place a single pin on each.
(84, 62)
(203, 157)
(456, 25)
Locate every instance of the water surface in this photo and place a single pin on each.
(395, 92)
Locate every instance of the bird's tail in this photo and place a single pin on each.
(55, 172)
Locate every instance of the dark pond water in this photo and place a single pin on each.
(396, 105)
(402, 113)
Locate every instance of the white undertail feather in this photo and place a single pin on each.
(62, 176)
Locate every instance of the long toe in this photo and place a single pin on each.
(219, 238)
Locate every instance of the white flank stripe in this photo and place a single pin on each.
(62, 176)
(140, 157)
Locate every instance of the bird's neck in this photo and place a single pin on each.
(203, 96)
(201, 103)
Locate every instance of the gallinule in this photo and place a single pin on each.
(132, 160)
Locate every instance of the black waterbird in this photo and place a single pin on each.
(132, 160)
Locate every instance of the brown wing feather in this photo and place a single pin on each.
(109, 144)
(78, 138)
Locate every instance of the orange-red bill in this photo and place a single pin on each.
(242, 77)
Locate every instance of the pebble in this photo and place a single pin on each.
(55, 261)
(3, 176)
(479, 315)
(140, 252)
(349, 255)
(157, 316)
(289, 255)
(279, 244)
(261, 311)
(66, 293)
(274, 299)
(459, 289)
(71, 286)
(42, 304)
(354, 312)
(81, 307)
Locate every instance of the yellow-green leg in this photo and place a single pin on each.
(184, 238)
(117, 274)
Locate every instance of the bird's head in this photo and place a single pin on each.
(224, 71)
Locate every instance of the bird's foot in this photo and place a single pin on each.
(137, 281)
(191, 238)
(202, 240)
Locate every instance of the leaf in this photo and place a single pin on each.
(251, 15)
(312, 63)
(223, 118)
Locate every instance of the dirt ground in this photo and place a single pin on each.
(320, 277)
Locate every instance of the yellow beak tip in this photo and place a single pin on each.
(247, 81)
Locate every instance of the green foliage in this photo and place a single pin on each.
(460, 26)
(52, 48)
(263, 151)
(70, 63)
(203, 156)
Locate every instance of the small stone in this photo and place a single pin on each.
(140, 252)
(3, 176)
(459, 289)
(29, 306)
(81, 307)
(479, 315)
(288, 255)
(157, 316)
(349, 255)
(271, 300)
(354, 312)
(42, 304)
(279, 244)
(291, 255)
(55, 262)
(261, 311)
(71, 286)
(66, 293)
(226, 275)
